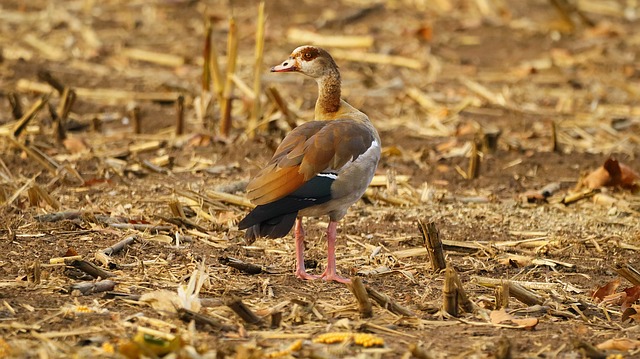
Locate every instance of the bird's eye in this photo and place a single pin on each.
(307, 56)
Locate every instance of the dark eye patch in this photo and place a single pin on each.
(310, 53)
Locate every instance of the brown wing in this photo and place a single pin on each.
(309, 149)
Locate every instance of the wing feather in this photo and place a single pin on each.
(311, 148)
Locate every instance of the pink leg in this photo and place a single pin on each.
(330, 273)
(301, 272)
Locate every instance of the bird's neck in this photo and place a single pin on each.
(328, 103)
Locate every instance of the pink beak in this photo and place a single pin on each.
(289, 65)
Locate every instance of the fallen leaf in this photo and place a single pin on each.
(71, 252)
(630, 314)
(633, 294)
(606, 290)
(622, 344)
(504, 318)
(611, 174)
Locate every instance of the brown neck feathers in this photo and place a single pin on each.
(329, 93)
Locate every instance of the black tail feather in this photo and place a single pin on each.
(275, 219)
(272, 228)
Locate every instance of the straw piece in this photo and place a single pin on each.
(29, 115)
(450, 293)
(100, 94)
(158, 58)
(431, 240)
(212, 56)
(360, 292)
(297, 36)
(46, 50)
(629, 273)
(232, 56)
(384, 301)
(230, 198)
(257, 72)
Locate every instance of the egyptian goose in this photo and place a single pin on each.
(321, 168)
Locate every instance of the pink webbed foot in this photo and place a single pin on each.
(306, 276)
(333, 277)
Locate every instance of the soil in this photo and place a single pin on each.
(519, 68)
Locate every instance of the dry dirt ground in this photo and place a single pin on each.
(439, 76)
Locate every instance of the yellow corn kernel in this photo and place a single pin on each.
(108, 348)
(82, 309)
(363, 339)
(296, 346)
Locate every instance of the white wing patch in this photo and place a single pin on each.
(333, 176)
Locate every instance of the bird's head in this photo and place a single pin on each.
(309, 60)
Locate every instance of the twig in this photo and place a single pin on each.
(141, 227)
(360, 292)
(119, 246)
(91, 269)
(180, 115)
(384, 301)
(515, 290)
(243, 311)
(245, 267)
(59, 216)
(187, 316)
(87, 288)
